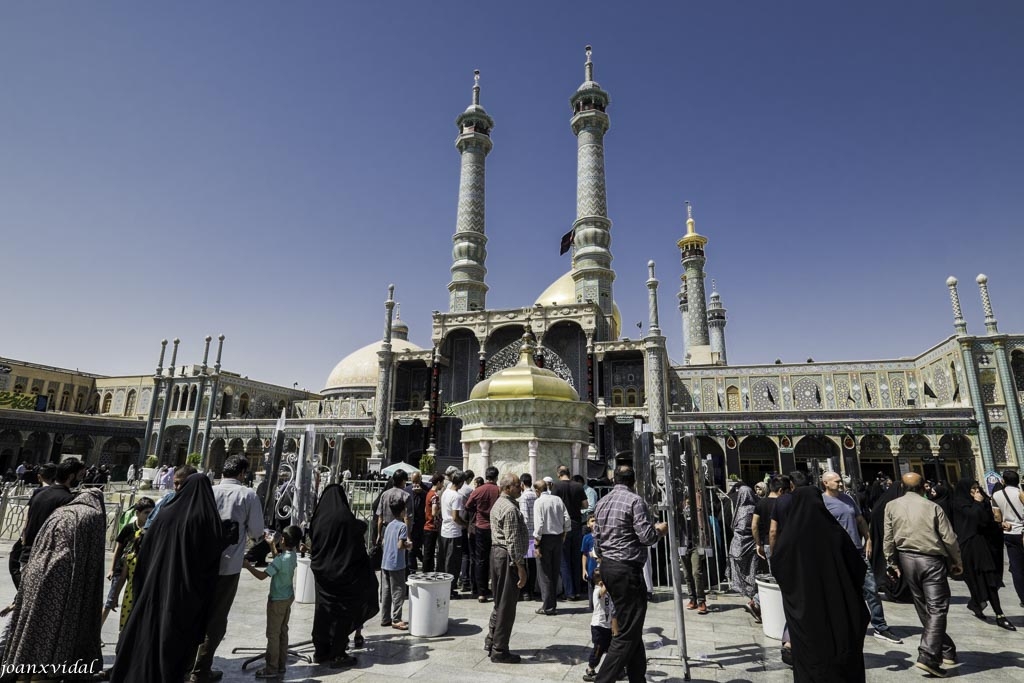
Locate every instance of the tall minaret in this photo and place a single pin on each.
(467, 291)
(692, 247)
(592, 257)
(716, 323)
(683, 307)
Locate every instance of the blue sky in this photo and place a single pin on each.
(266, 169)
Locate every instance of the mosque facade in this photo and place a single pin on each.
(950, 411)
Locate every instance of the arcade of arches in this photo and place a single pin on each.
(18, 446)
(751, 458)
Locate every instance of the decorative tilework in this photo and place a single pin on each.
(807, 394)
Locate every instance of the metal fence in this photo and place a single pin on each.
(14, 511)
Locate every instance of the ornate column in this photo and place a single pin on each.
(382, 405)
(199, 400)
(980, 414)
(152, 409)
(1009, 389)
(214, 387)
(168, 383)
(958, 316)
(991, 327)
(532, 446)
(435, 385)
(465, 455)
(485, 454)
(654, 347)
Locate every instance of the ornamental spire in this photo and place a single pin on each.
(476, 87)
(588, 68)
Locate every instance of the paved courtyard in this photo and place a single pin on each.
(725, 645)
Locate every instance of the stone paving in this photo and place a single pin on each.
(724, 645)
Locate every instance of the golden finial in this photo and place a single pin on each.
(691, 225)
(691, 237)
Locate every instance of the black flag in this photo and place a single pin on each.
(567, 241)
(771, 397)
(928, 391)
(817, 393)
(956, 393)
(867, 393)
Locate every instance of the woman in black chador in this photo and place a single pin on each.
(821, 575)
(981, 547)
(895, 587)
(346, 587)
(174, 581)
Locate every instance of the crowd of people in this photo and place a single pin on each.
(504, 538)
(833, 551)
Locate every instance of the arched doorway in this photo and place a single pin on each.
(710, 448)
(118, 453)
(10, 445)
(758, 458)
(816, 454)
(876, 458)
(355, 454)
(36, 448)
(254, 452)
(956, 458)
(77, 444)
(218, 451)
(175, 445)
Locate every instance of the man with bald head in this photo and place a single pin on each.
(846, 511)
(920, 544)
(509, 540)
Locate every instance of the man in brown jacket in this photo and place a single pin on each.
(919, 544)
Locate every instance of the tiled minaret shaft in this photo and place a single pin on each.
(692, 249)
(716, 323)
(467, 290)
(592, 257)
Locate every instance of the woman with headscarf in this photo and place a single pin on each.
(942, 496)
(175, 575)
(981, 547)
(821, 576)
(56, 617)
(346, 586)
(894, 586)
(742, 555)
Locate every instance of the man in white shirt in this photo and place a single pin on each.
(526, 502)
(1009, 511)
(452, 524)
(550, 525)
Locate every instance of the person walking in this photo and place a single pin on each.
(550, 525)
(241, 514)
(981, 549)
(742, 556)
(509, 539)
(821, 578)
(1008, 509)
(622, 532)
(919, 531)
(846, 511)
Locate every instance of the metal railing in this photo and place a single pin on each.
(14, 511)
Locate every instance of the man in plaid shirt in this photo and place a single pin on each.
(509, 540)
(622, 532)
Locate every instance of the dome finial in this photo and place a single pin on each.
(476, 87)
(714, 286)
(589, 67)
(691, 225)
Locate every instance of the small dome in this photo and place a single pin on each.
(563, 291)
(524, 380)
(358, 370)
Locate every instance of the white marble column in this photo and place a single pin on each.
(485, 456)
(576, 457)
(532, 445)
(465, 456)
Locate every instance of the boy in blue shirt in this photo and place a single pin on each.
(589, 560)
(392, 568)
(279, 603)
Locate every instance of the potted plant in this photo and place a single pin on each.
(194, 459)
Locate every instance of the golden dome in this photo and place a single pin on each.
(563, 291)
(359, 369)
(524, 380)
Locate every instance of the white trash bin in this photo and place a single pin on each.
(773, 616)
(305, 584)
(429, 596)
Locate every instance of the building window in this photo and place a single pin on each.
(1000, 449)
(65, 399)
(107, 400)
(129, 406)
(243, 405)
(78, 402)
(631, 395)
(19, 388)
(617, 398)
